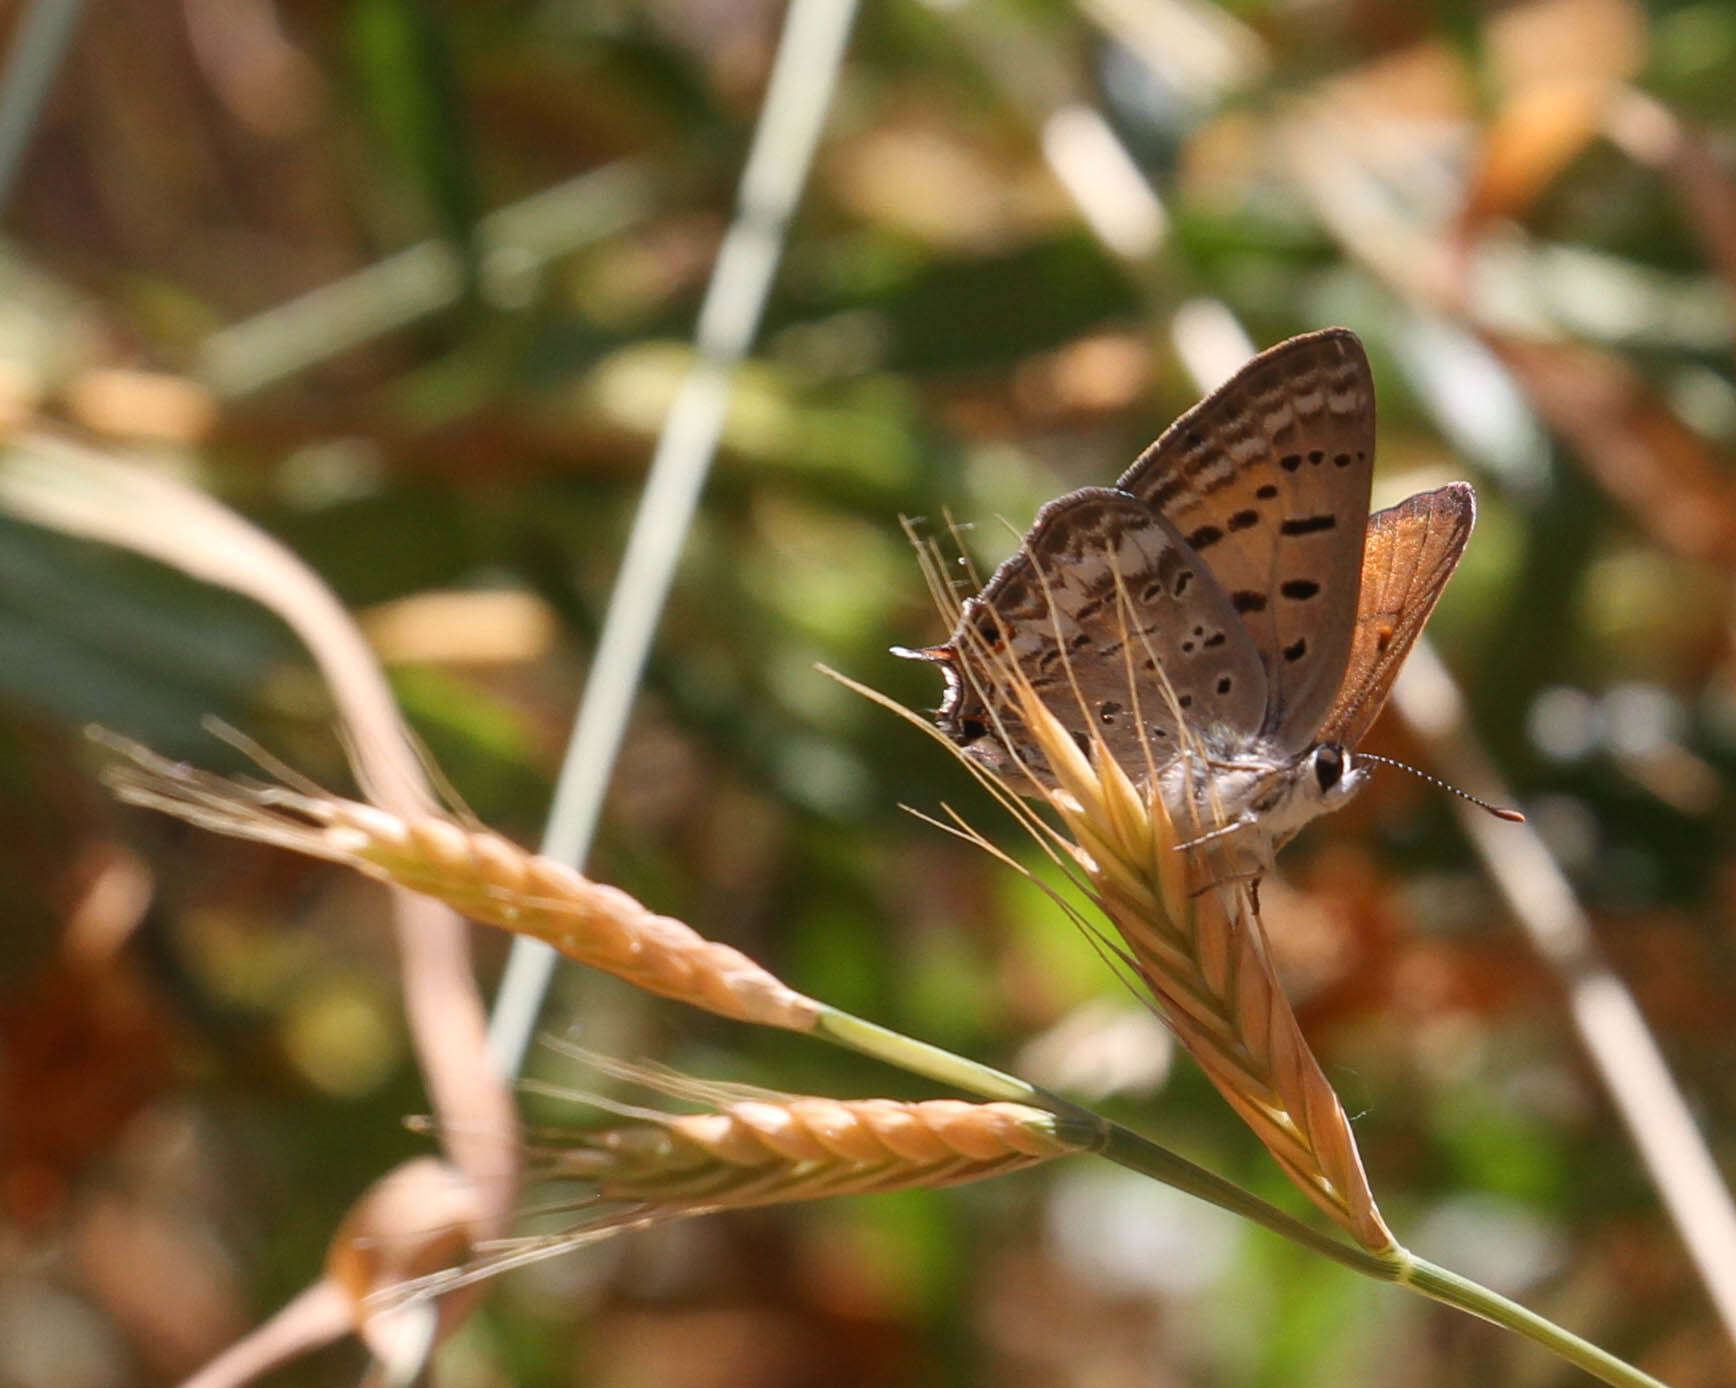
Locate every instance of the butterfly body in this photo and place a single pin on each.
(1256, 799)
(1228, 619)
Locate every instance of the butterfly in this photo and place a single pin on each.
(1228, 618)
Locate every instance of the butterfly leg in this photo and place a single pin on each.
(1256, 846)
(1248, 860)
(1222, 831)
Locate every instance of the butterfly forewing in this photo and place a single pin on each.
(1101, 606)
(1410, 552)
(1268, 480)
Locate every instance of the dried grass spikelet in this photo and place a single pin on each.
(477, 873)
(1188, 929)
(1199, 946)
(781, 1148)
(754, 1147)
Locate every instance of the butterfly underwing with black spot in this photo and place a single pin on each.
(1228, 618)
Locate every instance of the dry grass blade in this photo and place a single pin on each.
(478, 874)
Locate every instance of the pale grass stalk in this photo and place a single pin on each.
(479, 874)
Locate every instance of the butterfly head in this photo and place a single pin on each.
(1322, 779)
(1328, 762)
(1329, 777)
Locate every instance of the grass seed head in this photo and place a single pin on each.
(479, 874)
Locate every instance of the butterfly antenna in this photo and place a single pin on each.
(1499, 811)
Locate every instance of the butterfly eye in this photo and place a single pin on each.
(973, 728)
(1329, 766)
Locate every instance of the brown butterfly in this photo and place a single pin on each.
(1228, 618)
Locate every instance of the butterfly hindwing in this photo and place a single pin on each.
(1410, 552)
(1101, 596)
(1268, 480)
